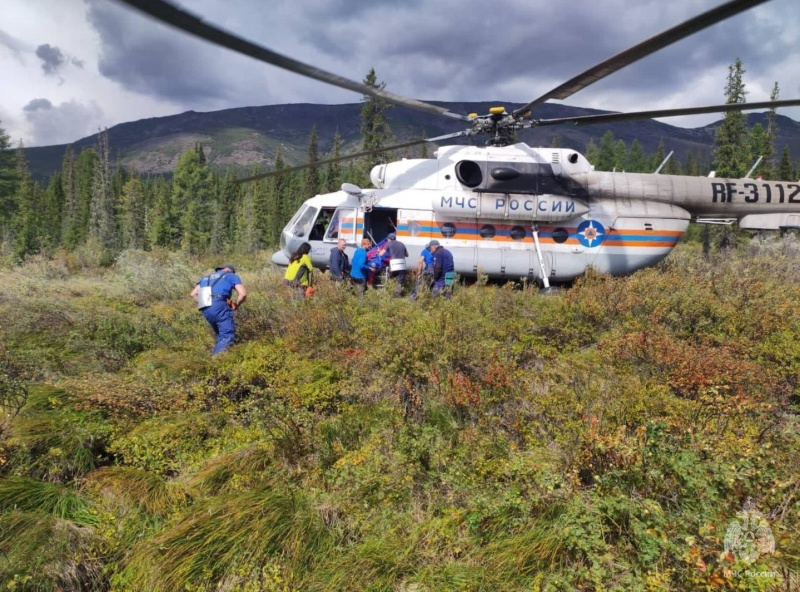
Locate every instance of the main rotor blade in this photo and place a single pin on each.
(351, 156)
(642, 50)
(615, 117)
(169, 14)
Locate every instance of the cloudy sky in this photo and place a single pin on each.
(71, 67)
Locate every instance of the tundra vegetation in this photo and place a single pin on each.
(601, 438)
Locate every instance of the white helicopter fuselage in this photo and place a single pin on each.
(538, 213)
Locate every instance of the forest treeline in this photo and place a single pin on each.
(93, 201)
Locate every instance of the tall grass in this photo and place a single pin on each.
(601, 438)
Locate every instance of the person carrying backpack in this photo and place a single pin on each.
(213, 294)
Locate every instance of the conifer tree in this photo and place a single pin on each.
(785, 168)
(223, 227)
(606, 155)
(375, 130)
(658, 157)
(592, 152)
(620, 154)
(84, 180)
(104, 201)
(52, 213)
(333, 172)
(133, 214)
(71, 211)
(8, 180)
(28, 220)
(636, 160)
(164, 222)
(769, 167)
(192, 195)
(280, 201)
(312, 184)
(732, 149)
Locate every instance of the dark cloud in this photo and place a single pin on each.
(38, 105)
(151, 59)
(52, 58)
(512, 50)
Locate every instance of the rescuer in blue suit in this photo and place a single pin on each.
(444, 269)
(213, 294)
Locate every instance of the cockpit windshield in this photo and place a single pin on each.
(304, 222)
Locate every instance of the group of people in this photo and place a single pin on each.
(435, 270)
(435, 267)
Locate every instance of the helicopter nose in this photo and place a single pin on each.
(280, 258)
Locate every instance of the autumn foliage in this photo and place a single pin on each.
(604, 437)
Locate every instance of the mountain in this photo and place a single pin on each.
(250, 136)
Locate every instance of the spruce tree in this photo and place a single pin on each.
(636, 160)
(53, 208)
(71, 211)
(606, 155)
(28, 218)
(192, 196)
(163, 224)
(84, 180)
(312, 184)
(8, 180)
(104, 201)
(592, 152)
(769, 167)
(333, 172)
(620, 155)
(732, 149)
(785, 168)
(375, 131)
(132, 214)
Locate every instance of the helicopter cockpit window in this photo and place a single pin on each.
(302, 227)
(322, 223)
(517, 233)
(448, 230)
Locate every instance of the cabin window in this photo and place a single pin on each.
(560, 235)
(487, 232)
(517, 233)
(448, 230)
(302, 227)
(342, 225)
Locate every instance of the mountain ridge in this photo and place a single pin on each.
(247, 137)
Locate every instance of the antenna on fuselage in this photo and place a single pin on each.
(753, 168)
(663, 162)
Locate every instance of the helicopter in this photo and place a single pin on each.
(511, 211)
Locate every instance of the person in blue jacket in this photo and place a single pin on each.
(443, 269)
(358, 266)
(424, 270)
(213, 294)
